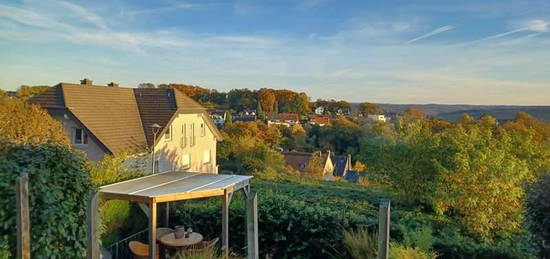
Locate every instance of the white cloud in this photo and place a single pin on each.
(537, 26)
(432, 33)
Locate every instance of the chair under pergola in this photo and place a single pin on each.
(166, 187)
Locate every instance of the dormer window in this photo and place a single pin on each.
(80, 137)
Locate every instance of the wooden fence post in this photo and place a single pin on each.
(252, 226)
(92, 218)
(23, 219)
(384, 229)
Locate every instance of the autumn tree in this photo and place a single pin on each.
(266, 99)
(370, 108)
(469, 172)
(24, 122)
(26, 92)
(413, 113)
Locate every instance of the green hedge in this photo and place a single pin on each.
(306, 219)
(59, 187)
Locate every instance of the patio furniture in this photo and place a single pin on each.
(180, 244)
(140, 250)
(163, 231)
(148, 191)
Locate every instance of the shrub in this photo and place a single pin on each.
(538, 214)
(420, 238)
(115, 220)
(289, 227)
(361, 244)
(398, 251)
(59, 187)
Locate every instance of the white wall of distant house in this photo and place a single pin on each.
(191, 146)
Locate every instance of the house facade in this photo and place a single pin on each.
(103, 120)
(377, 117)
(284, 119)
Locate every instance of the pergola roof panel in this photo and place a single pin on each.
(173, 186)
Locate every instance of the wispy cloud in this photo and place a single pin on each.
(38, 25)
(537, 26)
(432, 33)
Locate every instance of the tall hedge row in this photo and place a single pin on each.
(59, 187)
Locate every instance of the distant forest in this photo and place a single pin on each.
(276, 100)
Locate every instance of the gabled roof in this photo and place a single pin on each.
(121, 118)
(300, 160)
(283, 116)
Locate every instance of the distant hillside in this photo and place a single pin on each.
(454, 112)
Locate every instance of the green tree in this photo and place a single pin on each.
(538, 214)
(228, 118)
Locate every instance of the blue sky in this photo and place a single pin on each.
(475, 52)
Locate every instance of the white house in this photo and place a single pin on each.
(377, 117)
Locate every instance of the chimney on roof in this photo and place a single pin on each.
(86, 81)
(112, 84)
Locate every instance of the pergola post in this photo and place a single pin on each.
(152, 229)
(225, 223)
(252, 226)
(92, 219)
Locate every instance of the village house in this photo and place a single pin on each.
(377, 117)
(285, 119)
(320, 110)
(319, 120)
(302, 162)
(103, 120)
(331, 165)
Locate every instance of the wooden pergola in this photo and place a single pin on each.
(149, 191)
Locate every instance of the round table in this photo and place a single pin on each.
(170, 240)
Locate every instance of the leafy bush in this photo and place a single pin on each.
(115, 220)
(420, 238)
(59, 187)
(361, 244)
(538, 214)
(290, 227)
(398, 251)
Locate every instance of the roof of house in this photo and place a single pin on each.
(321, 120)
(283, 116)
(121, 118)
(300, 160)
(342, 164)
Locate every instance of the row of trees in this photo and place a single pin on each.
(264, 100)
(473, 171)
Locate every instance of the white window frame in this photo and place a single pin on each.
(206, 156)
(168, 133)
(185, 157)
(184, 135)
(192, 138)
(83, 137)
(203, 130)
